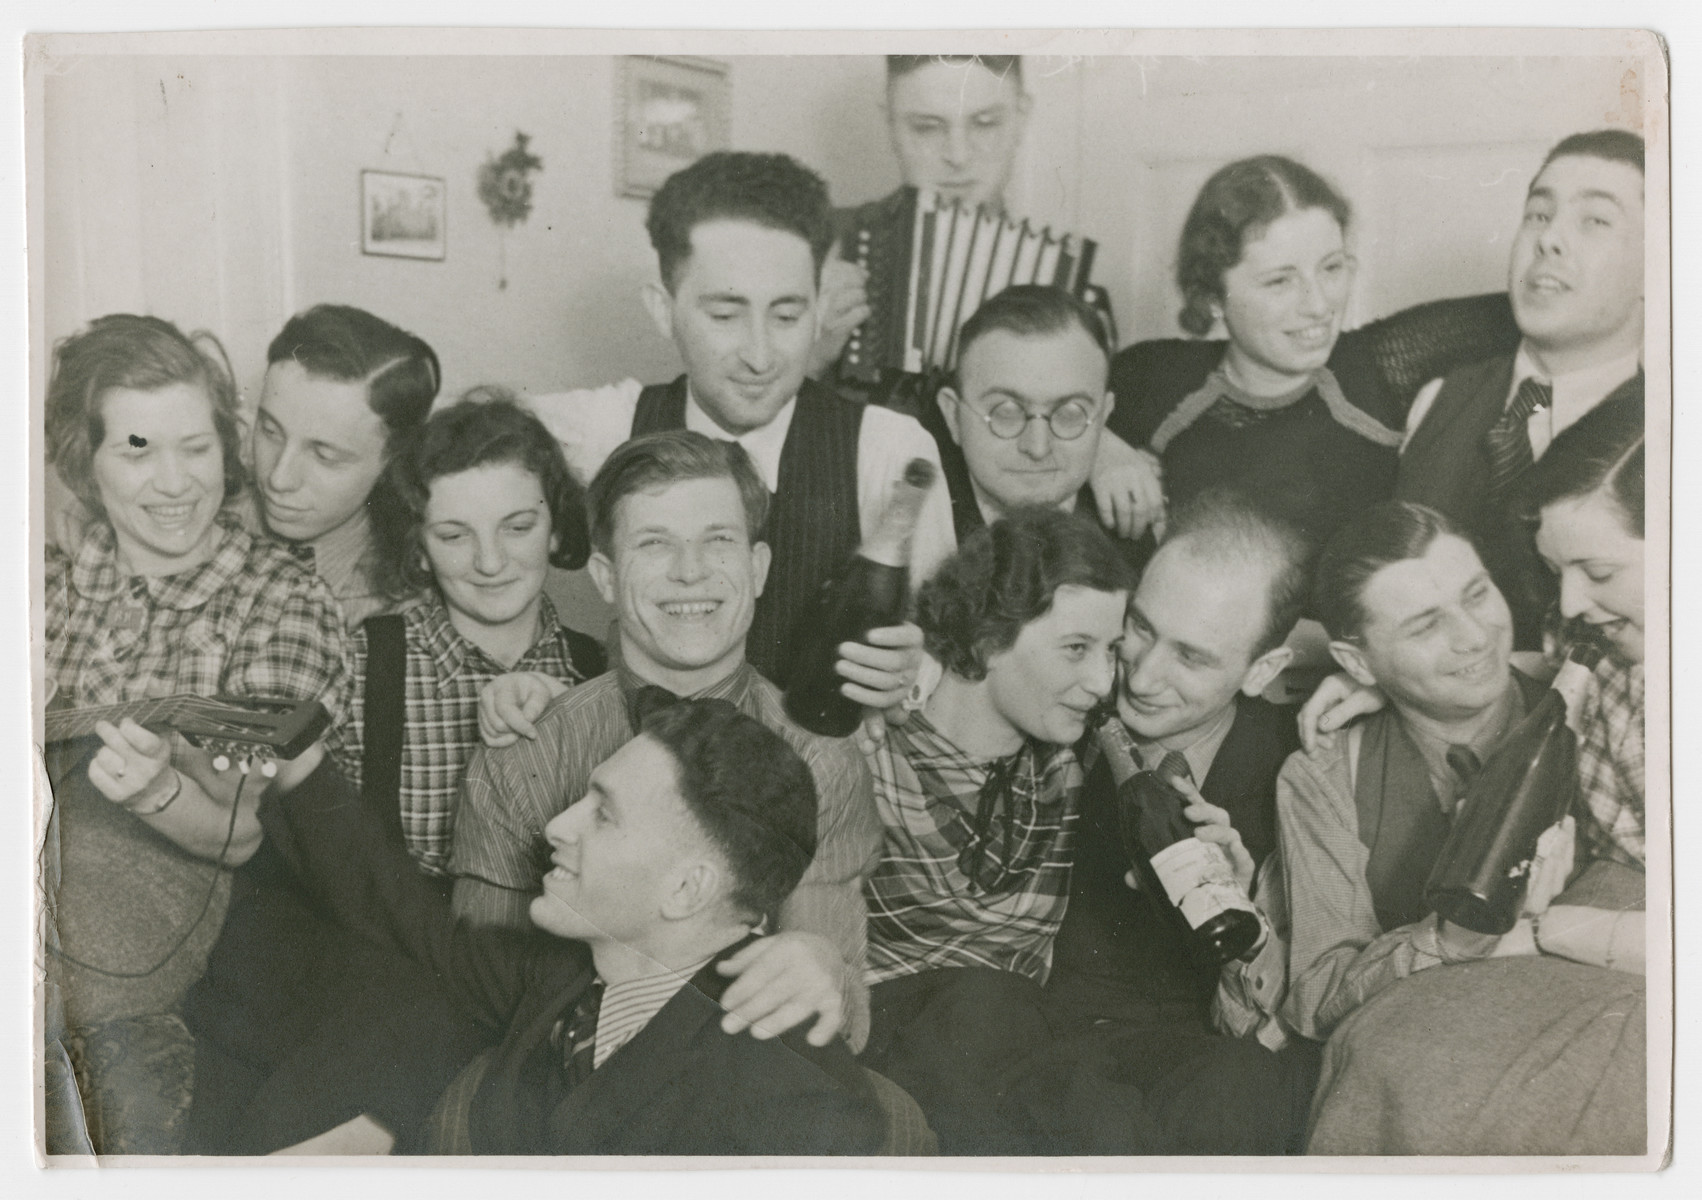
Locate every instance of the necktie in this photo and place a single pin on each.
(648, 699)
(1464, 762)
(1508, 442)
(579, 1037)
(1174, 766)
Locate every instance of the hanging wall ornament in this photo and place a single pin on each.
(505, 185)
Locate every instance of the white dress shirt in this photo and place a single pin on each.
(591, 422)
(1575, 393)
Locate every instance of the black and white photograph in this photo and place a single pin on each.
(1032, 600)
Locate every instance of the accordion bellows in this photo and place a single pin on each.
(933, 264)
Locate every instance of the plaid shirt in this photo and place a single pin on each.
(250, 621)
(440, 726)
(1610, 765)
(950, 894)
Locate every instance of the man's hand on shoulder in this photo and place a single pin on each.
(782, 981)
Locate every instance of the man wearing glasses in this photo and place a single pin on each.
(1026, 409)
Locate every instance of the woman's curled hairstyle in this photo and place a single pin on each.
(486, 427)
(142, 354)
(1005, 576)
(1237, 204)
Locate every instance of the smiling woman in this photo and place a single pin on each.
(165, 594)
(1289, 409)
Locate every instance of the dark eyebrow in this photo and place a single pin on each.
(723, 298)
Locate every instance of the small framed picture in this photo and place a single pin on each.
(669, 113)
(402, 216)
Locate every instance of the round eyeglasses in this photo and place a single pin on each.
(1007, 419)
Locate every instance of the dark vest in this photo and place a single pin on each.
(813, 522)
(1401, 822)
(1445, 467)
(1120, 954)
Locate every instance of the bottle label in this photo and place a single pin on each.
(1199, 880)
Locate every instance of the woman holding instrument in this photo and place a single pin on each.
(165, 594)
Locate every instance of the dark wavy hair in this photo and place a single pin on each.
(1601, 453)
(1005, 576)
(771, 190)
(659, 459)
(750, 793)
(1384, 534)
(143, 354)
(350, 345)
(1230, 525)
(1236, 205)
(486, 427)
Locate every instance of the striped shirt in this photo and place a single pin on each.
(950, 892)
(440, 728)
(629, 1006)
(1610, 765)
(510, 794)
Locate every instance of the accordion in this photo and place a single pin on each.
(931, 265)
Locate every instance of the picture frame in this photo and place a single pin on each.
(403, 216)
(669, 112)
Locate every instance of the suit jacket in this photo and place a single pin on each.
(680, 1086)
(1446, 467)
(1118, 953)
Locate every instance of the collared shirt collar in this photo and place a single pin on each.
(449, 650)
(341, 557)
(763, 445)
(1200, 753)
(991, 512)
(735, 688)
(1434, 750)
(95, 574)
(1575, 392)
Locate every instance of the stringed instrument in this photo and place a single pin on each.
(237, 729)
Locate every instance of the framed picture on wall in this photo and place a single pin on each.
(669, 112)
(402, 216)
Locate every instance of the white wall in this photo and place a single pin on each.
(224, 191)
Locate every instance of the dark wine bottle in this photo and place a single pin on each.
(869, 593)
(1194, 876)
(1528, 784)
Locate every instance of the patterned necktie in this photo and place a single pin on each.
(1508, 442)
(1174, 766)
(579, 1037)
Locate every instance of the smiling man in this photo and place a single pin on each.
(1202, 639)
(740, 239)
(1410, 609)
(661, 870)
(1576, 282)
(674, 524)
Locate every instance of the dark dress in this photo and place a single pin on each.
(1316, 457)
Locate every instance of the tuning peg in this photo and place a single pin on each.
(221, 762)
(269, 768)
(242, 765)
